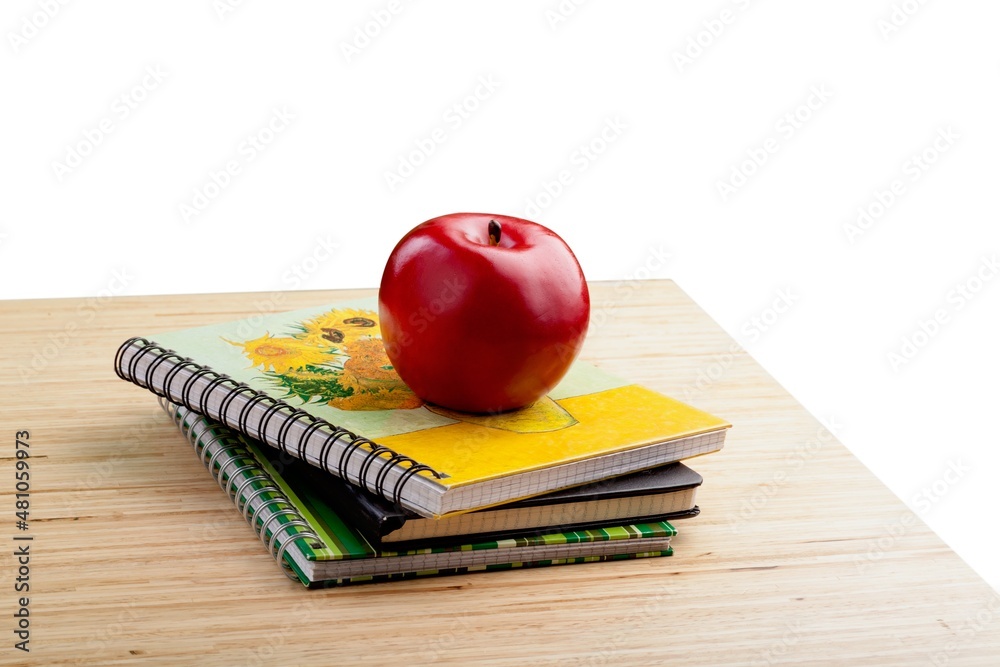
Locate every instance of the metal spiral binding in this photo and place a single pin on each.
(287, 425)
(375, 454)
(300, 449)
(219, 383)
(232, 475)
(229, 450)
(243, 486)
(273, 409)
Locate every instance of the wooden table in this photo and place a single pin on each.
(799, 556)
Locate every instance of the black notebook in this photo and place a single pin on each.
(666, 493)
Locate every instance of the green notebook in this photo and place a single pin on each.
(314, 545)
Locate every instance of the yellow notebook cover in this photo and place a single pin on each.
(329, 362)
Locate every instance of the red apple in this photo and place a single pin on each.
(481, 312)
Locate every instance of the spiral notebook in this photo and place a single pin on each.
(307, 536)
(316, 383)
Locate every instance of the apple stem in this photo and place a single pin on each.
(494, 232)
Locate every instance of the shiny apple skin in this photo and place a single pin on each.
(477, 327)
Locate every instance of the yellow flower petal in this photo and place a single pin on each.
(340, 327)
(283, 354)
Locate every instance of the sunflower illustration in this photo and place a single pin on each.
(283, 354)
(340, 327)
(336, 358)
(373, 381)
(367, 362)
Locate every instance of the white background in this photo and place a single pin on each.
(892, 76)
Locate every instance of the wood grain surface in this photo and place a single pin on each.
(800, 555)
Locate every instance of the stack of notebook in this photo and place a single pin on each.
(347, 476)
